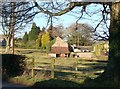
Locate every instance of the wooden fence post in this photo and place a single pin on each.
(52, 68)
(76, 64)
(32, 71)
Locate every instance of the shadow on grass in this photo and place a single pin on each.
(57, 83)
(65, 84)
(13, 65)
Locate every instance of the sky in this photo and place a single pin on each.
(71, 17)
(67, 19)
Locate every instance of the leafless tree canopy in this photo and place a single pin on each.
(23, 13)
(60, 8)
(14, 16)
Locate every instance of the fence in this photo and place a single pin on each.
(77, 67)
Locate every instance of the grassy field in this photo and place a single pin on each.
(65, 69)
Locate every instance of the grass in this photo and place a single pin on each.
(43, 78)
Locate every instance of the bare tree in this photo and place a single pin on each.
(23, 14)
(59, 8)
(82, 34)
(55, 31)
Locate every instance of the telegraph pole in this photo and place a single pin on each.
(12, 25)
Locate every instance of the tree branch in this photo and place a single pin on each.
(69, 8)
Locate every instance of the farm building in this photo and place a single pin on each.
(82, 51)
(82, 48)
(2, 40)
(60, 48)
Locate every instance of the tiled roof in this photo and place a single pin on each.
(60, 43)
(59, 50)
(59, 46)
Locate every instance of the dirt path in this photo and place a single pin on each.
(6, 85)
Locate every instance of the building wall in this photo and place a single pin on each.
(85, 55)
(52, 55)
(2, 42)
(82, 55)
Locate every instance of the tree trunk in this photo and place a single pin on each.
(112, 71)
(8, 40)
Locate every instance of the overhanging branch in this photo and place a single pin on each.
(67, 9)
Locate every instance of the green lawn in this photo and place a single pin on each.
(87, 69)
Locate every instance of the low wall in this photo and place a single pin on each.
(83, 54)
(52, 55)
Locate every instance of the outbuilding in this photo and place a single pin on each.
(60, 48)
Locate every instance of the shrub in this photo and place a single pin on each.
(12, 65)
(49, 45)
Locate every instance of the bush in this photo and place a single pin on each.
(49, 45)
(28, 45)
(12, 65)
